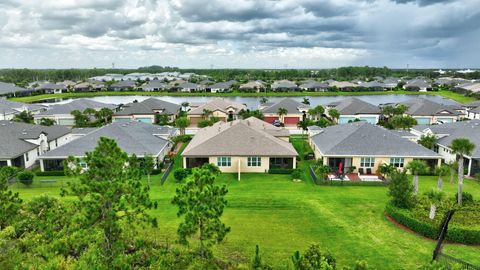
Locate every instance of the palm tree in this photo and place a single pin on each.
(282, 112)
(441, 171)
(263, 100)
(104, 114)
(416, 167)
(182, 123)
(206, 113)
(334, 114)
(306, 101)
(461, 147)
(386, 169)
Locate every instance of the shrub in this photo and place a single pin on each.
(400, 190)
(50, 173)
(280, 171)
(466, 197)
(180, 175)
(182, 138)
(25, 177)
(297, 174)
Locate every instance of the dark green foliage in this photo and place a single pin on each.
(402, 122)
(47, 122)
(211, 168)
(161, 119)
(182, 122)
(92, 118)
(201, 203)
(257, 262)
(182, 138)
(26, 177)
(466, 198)
(280, 171)
(110, 196)
(244, 114)
(207, 122)
(9, 201)
(25, 117)
(428, 141)
(50, 173)
(180, 175)
(400, 190)
(313, 259)
(297, 174)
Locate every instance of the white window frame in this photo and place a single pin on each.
(397, 162)
(224, 161)
(367, 162)
(254, 162)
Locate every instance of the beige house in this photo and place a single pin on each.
(241, 146)
(295, 112)
(221, 108)
(362, 147)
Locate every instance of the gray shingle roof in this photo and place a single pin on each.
(149, 106)
(284, 84)
(313, 85)
(237, 138)
(461, 129)
(291, 105)
(189, 85)
(10, 88)
(12, 107)
(124, 84)
(220, 104)
(423, 107)
(132, 137)
(76, 104)
(52, 86)
(364, 139)
(13, 136)
(418, 83)
(354, 106)
(155, 84)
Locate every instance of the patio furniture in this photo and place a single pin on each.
(360, 171)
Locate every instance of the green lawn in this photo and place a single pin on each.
(282, 216)
(444, 93)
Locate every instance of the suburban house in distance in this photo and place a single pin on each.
(295, 112)
(61, 113)
(10, 89)
(353, 108)
(132, 137)
(221, 108)
(418, 85)
(249, 145)
(188, 87)
(123, 85)
(220, 86)
(362, 147)
(21, 143)
(8, 109)
(51, 88)
(446, 133)
(314, 86)
(146, 111)
(473, 110)
(253, 86)
(283, 86)
(155, 85)
(427, 112)
(343, 85)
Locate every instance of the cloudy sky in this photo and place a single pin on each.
(239, 33)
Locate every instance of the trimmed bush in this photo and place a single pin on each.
(180, 175)
(466, 197)
(455, 233)
(26, 177)
(280, 171)
(182, 138)
(50, 173)
(297, 174)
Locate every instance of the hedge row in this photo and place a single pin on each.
(50, 173)
(454, 234)
(350, 183)
(280, 171)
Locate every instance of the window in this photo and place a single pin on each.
(397, 162)
(38, 151)
(26, 156)
(224, 161)
(83, 164)
(367, 162)
(254, 161)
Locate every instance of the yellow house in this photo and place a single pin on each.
(241, 146)
(362, 147)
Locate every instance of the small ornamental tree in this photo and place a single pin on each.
(441, 171)
(182, 123)
(111, 197)
(435, 198)
(400, 190)
(462, 147)
(313, 258)
(180, 175)
(416, 167)
(148, 165)
(334, 115)
(201, 203)
(25, 117)
(47, 122)
(428, 141)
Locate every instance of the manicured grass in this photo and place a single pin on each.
(282, 216)
(444, 93)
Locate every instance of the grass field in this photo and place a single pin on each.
(282, 216)
(444, 93)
